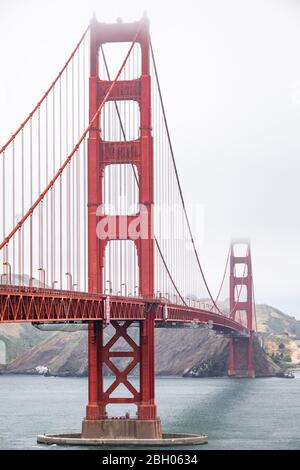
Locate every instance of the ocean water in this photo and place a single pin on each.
(235, 413)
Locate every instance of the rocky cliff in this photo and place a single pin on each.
(17, 338)
(192, 352)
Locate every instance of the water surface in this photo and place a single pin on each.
(236, 414)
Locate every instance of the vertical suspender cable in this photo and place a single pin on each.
(78, 192)
(84, 179)
(47, 196)
(40, 234)
(53, 201)
(13, 206)
(31, 215)
(68, 190)
(60, 187)
(21, 232)
(72, 194)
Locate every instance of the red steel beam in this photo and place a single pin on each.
(23, 304)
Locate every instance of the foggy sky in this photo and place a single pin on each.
(230, 76)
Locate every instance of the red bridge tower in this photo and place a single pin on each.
(100, 154)
(241, 303)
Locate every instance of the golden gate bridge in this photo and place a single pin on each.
(95, 228)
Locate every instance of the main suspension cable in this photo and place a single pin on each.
(73, 152)
(37, 106)
(223, 278)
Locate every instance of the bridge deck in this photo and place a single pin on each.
(24, 304)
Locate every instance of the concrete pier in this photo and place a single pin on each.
(122, 428)
(165, 440)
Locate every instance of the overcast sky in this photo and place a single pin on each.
(230, 75)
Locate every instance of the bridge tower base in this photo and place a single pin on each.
(140, 353)
(240, 359)
(121, 428)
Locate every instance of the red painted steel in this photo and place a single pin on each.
(24, 304)
(241, 349)
(121, 375)
(100, 154)
(39, 305)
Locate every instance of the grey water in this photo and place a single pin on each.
(235, 413)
